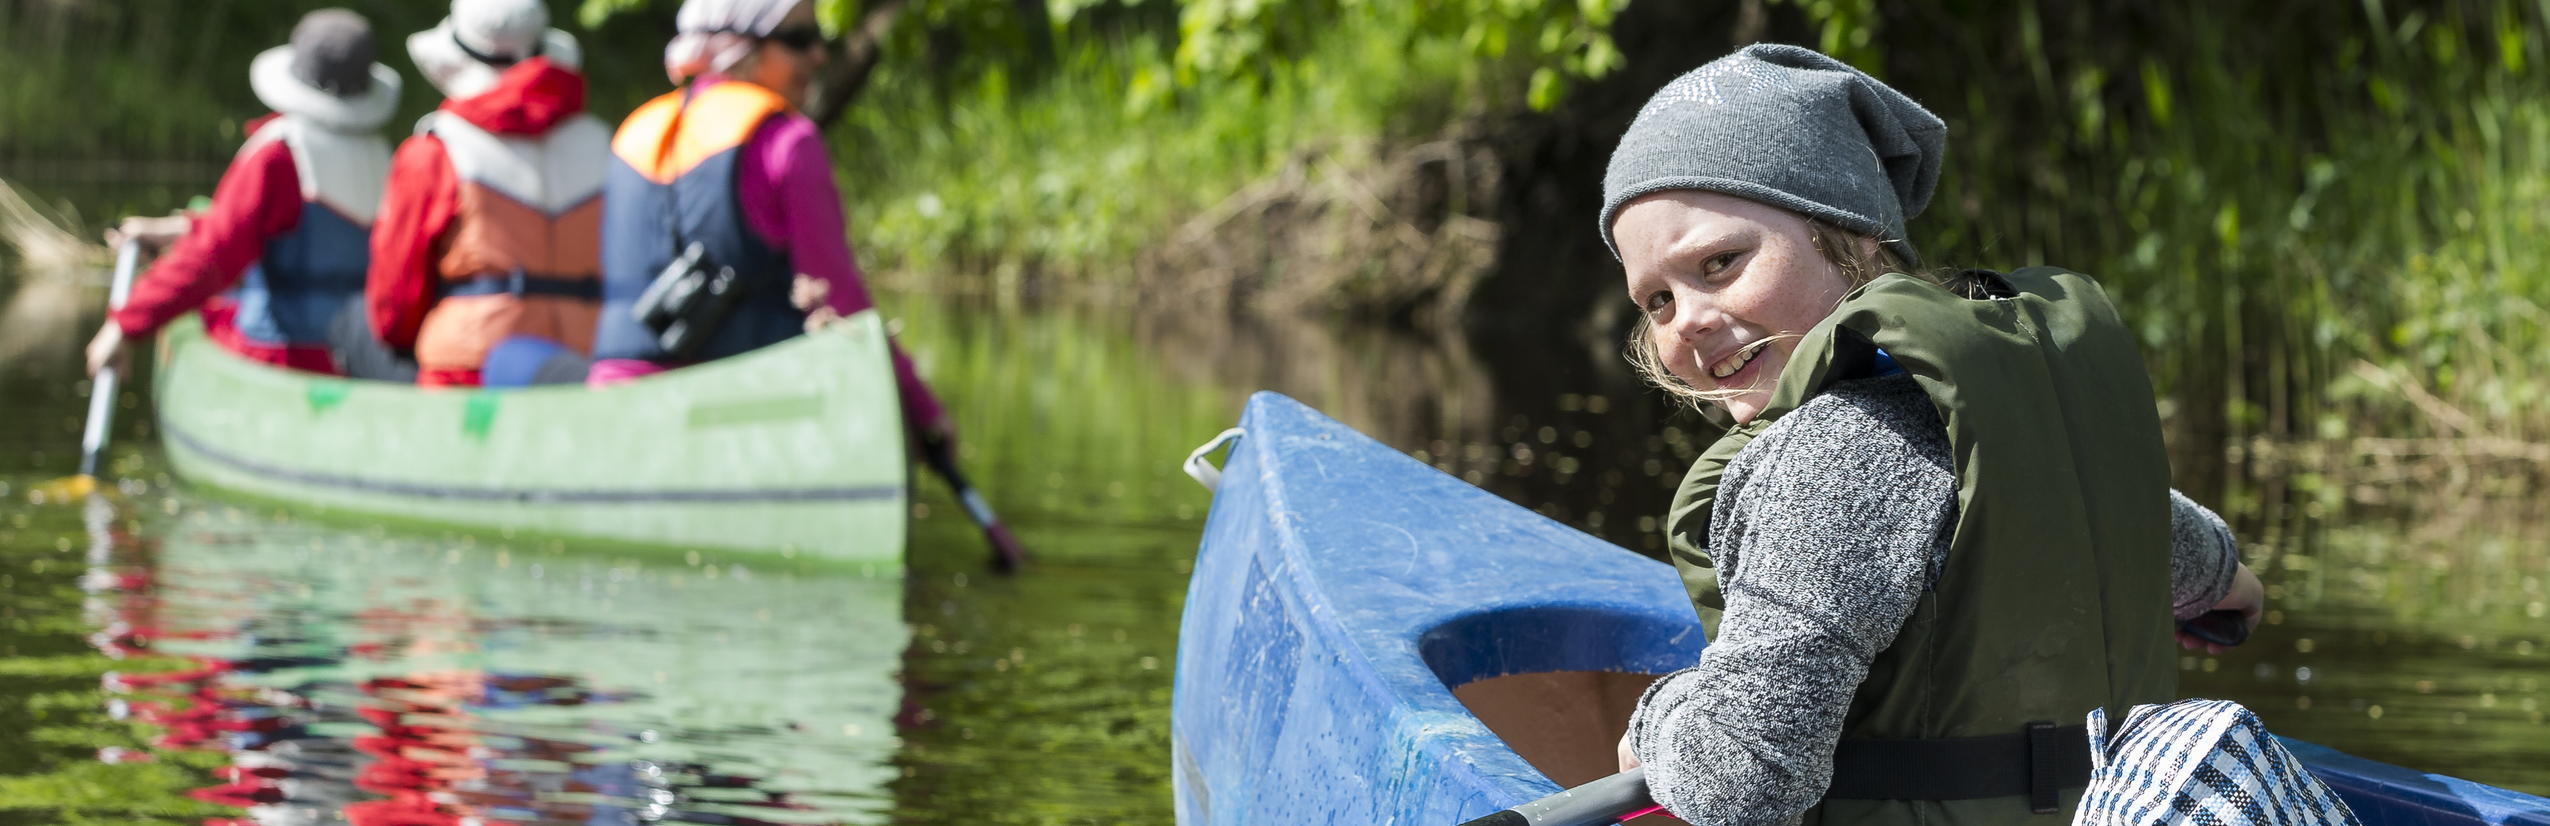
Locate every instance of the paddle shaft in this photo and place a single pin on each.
(1007, 554)
(102, 388)
(1609, 800)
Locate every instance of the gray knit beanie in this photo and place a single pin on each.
(1788, 127)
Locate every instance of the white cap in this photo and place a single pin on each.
(502, 29)
(455, 55)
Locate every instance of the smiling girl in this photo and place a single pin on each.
(1940, 526)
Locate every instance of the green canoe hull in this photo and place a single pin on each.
(797, 447)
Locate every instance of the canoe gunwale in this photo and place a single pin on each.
(531, 495)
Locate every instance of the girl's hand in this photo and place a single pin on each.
(2247, 597)
(808, 292)
(107, 349)
(1628, 759)
(153, 233)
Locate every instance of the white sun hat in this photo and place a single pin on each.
(463, 55)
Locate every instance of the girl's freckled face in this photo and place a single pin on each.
(1729, 285)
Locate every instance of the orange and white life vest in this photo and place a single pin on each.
(523, 254)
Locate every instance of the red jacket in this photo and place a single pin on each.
(259, 197)
(412, 229)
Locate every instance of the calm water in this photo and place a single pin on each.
(550, 682)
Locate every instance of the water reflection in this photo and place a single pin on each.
(2413, 638)
(413, 681)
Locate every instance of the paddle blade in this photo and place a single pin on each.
(1007, 555)
(65, 490)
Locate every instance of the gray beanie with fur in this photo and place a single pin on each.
(1788, 127)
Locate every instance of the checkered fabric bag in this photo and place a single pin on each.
(2200, 763)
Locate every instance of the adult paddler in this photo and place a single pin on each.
(288, 222)
(492, 223)
(727, 162)
(1941, 527)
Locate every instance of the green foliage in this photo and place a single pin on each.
(593, 13)
(963, 154)
(2313, 216)
(163, 80)
(1253, 37)
(1845, 29)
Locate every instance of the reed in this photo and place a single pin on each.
(2324, 218)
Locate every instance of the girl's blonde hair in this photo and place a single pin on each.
(1848, 252)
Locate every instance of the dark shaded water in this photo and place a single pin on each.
(550, 682)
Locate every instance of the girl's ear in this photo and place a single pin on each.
(1870, 250)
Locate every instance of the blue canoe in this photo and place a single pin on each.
(1369, 640)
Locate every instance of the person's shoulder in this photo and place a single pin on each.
(1857, 424)
(788, 129)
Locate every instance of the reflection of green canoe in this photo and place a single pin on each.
(798, 445)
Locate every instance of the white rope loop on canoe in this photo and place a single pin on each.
(1203, 471)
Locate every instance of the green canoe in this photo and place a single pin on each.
(796, 448)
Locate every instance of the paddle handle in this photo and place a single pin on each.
(102, 388)
(1007, 554)
(1609, 800)
(2225, 627)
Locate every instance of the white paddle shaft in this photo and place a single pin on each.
(102, 389)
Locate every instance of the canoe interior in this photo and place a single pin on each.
(1567, 724)
(1367, 639)
(794, 448)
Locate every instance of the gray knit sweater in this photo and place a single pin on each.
(1826, 530)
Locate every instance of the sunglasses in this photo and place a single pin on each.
(796, 38)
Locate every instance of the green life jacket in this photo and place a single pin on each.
(2055, 596)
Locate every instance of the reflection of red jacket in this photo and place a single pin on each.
(413, 228)
(258, 199)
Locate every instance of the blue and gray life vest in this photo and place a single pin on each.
(672, 183)
(315, 271)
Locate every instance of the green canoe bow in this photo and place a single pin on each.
(794, 447)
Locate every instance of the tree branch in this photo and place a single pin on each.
(856, 57)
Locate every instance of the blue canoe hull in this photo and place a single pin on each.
(1343, 590)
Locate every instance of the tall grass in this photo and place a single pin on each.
(2325, 219)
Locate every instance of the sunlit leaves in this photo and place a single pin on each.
(1563, 37)
(1847, 30)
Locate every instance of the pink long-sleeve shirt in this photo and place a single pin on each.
(783, 181)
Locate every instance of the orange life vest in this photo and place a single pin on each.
(523, 255)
